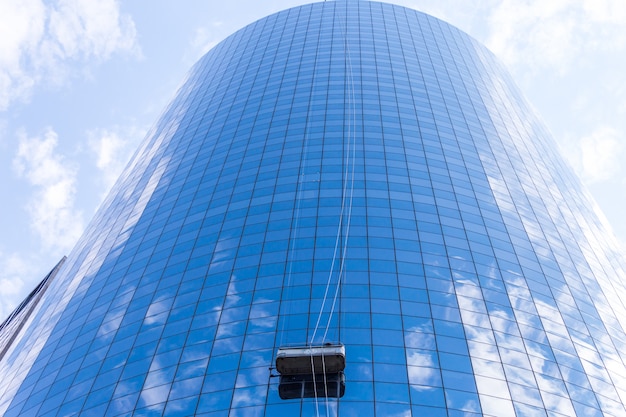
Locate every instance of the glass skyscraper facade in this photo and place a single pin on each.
(352, 173)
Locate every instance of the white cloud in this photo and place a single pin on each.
(540, 33)
(601, 155)
(53, 215)
(596, 157)
(542, 27)
(88, 28)
(3, 135)
(112, 149)
(21, 27)
(13, 270)
(612, 12)
(204, 39)
(107, 146)
(537, 34)
(37, 37)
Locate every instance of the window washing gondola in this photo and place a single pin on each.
(311, 371)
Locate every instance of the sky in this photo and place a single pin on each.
(82, 81)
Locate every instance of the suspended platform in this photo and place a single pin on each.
(329, 358)
(311, 371)
(312, 386)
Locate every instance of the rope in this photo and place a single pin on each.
(299, 192)
(317, 409)
(345, 213)
(350, 162)
(325, 385)
(352, 136)
(348, 178)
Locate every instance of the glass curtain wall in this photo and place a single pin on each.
(352, 173)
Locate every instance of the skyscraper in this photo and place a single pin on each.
(340, 177)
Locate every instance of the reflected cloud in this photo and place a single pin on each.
(158, 311)
(419, 337)
(422, 370)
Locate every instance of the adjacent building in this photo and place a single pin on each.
(349, 176)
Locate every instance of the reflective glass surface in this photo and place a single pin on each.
(347, 172)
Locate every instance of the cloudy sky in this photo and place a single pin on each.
(81, 81)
